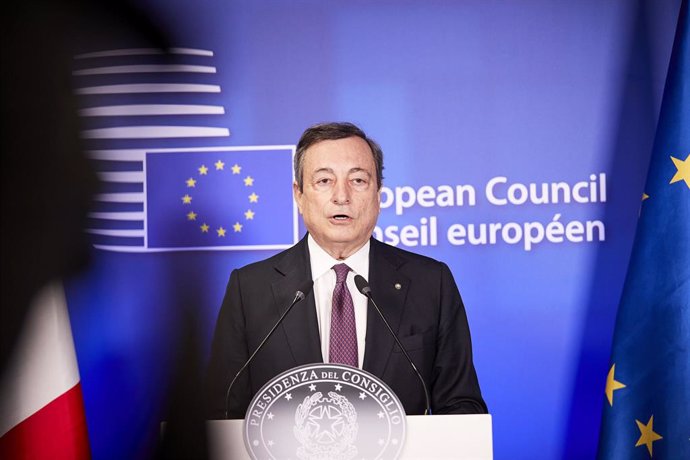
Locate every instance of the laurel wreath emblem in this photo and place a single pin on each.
(320, 444)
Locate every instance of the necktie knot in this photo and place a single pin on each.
(341, 271)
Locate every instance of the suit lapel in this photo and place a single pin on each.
(389, 290)
(300, 325)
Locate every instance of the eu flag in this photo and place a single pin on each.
(647, 403)
(222, 198)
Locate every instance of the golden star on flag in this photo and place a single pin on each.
(204, 228)
(237, 227)
(203, 170)
(219, 165)
(612, 385)
(682, 170)
(253, 198)
(236, 168)
(645, 196)
(186, 199)
(221, 231)
(249, 215)
(191, 182)
(249, 181)
(191, 215)
(647, 434)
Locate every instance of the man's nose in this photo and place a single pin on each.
(341, 193)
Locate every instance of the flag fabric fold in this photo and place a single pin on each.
(647, 393)
(42, 413)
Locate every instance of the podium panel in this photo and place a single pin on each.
(428, 437)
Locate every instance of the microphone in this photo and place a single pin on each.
(364, 288)
(300, 294)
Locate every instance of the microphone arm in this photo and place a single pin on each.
(364, 288)
(300, 294)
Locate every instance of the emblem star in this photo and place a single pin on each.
(338, 387)
(647, 434)
(203, 170)
(312, 387)
(191, 182)
(219, 165)
(237, 227)
(612, 385)
(249, 181)
(270, 442)
(186, 199)
(288, 396)
(249, 215)
(362, 396)
(221, 231)
(682, 170)
(253, 198)
(204, 228)
(191, 215)
(380, 414)
(270, 415)
(236, 168)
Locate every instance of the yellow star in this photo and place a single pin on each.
(186, 199)
(219, 165)
(236, 168)
(191, 182)
(647, 434)
(612, 385)
(682, 170)
(644, 196)
(204, 228)
(191, 215)
(203, 170)
(253, 198)
(249, 214)
(237, 227)
(249, 181)
(221, 231)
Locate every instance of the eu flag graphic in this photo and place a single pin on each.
(647, 404)
(225, 199)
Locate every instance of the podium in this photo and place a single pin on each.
(428, 437)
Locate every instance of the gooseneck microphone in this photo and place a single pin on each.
(364, 288)
(300, 294)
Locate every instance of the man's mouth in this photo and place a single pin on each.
(341, 217)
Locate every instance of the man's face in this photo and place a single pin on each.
(340, 200)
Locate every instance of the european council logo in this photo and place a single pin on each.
(154, 125)
(214, 198)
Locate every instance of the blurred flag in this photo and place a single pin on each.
(647, 405)
(40, 395)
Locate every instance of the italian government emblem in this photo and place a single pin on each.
(325, 411)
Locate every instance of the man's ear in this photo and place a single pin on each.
(297, 195)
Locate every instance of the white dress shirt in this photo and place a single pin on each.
(324, 283)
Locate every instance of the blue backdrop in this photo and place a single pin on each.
(516, 141)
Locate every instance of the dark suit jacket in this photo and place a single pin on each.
(426, 312)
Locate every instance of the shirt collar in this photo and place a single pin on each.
(322, 262)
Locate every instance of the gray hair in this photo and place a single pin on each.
(333, 131)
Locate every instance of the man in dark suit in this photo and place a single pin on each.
(338, 172)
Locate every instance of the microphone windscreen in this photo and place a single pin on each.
(305, 288)
(362, 284)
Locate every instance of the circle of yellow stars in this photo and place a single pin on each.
(221, 231)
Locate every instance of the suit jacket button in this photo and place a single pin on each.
(397, 286)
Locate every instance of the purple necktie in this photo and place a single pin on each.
(343, 343)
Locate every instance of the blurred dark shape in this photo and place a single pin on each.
(47, 181)
(184, 436)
